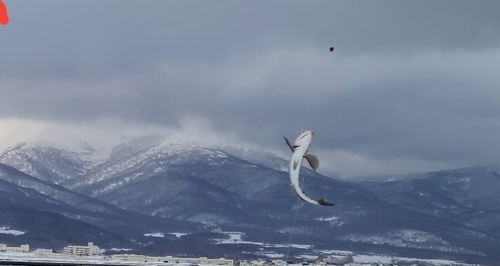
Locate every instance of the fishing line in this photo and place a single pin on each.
(302, 131)
(293, 229)
(313, 44)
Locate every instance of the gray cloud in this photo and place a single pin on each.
(94, 38)
(410, 82)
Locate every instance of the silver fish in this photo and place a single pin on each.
(300, 148)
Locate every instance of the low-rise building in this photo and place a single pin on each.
(130, 257)
(202, 260)
(88, 250)
(20, 249)
(43, 251)
(173, 260)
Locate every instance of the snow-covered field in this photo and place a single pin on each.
(386, 259)
(5, 230)
(406, 238)
(236, 239)
(120, 249)
(155, 235)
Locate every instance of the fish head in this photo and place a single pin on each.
(304, 140)
(308, 134)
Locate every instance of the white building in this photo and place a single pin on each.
(202, 260)
(130, 257)
(88, 250)
(233, 235)
(173, 260)
(20, 249)
(43, 252)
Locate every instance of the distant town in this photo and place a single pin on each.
(93, 255)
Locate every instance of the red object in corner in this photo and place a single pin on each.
(4, 18)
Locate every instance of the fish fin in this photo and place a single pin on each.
(323, 202)
(289, 144)
(313, 161)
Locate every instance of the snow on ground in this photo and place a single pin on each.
(332, 220)
(328, 219)
(293, 246)
(372, 258)
(16, 255)
(178, 234)
(155, 235)
(273, 255)
(163, 235)
(308, 257)
(4, 230)
(386, 259)
(233, 241)
(335, 252)
(234, 237)
(407, 238)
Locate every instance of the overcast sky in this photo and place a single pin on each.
(412, 86)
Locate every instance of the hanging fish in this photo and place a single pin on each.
(300, 148)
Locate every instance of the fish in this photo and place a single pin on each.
(300, 149)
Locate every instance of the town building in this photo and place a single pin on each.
(88, 250)
(130, 257)
(173, 260)
(20, 249)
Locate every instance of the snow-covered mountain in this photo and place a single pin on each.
(51, 163)
(470, 196)
(79, 164)
(25, 193)
(247, 189)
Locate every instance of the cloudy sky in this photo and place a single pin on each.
(412, 86)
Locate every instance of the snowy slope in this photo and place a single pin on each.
(75, 164)
(22, 190)
(54, 163)
(470, 196)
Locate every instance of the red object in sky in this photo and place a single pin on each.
(331, 48)
(4, 18)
